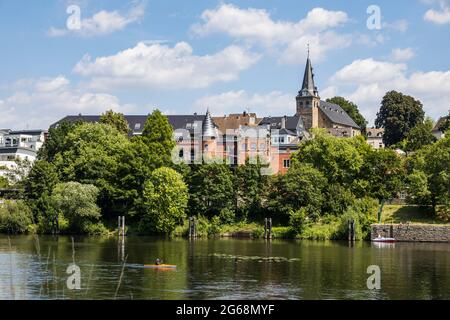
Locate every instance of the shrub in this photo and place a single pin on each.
(363, 212)
(15, 217)
(297, 220)
(227, 216)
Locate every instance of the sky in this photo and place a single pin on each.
(64, 57)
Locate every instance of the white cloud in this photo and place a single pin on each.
(272, 103)
(401, 25)
(44, 101)
(255, 26)
(441, 16)
(161, 66)
(103, 22)
(366, 81)
(399, 54)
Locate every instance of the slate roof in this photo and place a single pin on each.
(275, 122)
(336, 114)
(137, 122)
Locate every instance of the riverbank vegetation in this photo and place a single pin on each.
(88, 174)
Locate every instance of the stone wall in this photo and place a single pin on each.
(412, 232)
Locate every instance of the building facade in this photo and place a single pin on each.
(237, 138)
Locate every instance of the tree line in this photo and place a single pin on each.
(90, 173)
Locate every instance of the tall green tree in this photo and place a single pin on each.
(165, 199)
(340, 160)
(77, 203)
(41, 180)
(93, 157)
(429, 178)
(211, 189)
(420, 136)
(158, 135)
(352, 110)
(251, 186)
(56, 142)
(382, 175)
(117, 120)
(301, 187)
(398, 114)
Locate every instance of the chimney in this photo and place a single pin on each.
(283, 122)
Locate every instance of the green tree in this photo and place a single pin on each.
(301, 187)
(117, 120)
(340, 160)
(420, 136)
(251, 186)
(158, 135)
(352, 110)
(56, 142)
(77, 203)
(15, 217)
(211, 189)
(93, 157)
(165, 200)
(382, 175)
(4, 183)
(429, 177)
(398, 114)
(41, 180)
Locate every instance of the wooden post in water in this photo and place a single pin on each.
(123, 225)
(118, 226)
(192, 228)
(270, 228)
(265, 228)
(351, 230)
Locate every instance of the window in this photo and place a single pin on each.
(206, 147)
(286, 163)
(262, 146)
(380, 145)
(137, 126)
(253, 146)
(181, 153)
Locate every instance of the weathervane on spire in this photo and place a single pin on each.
(308, 49)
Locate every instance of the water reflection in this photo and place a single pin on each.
(35, 268)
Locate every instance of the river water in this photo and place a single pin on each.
(36, 268)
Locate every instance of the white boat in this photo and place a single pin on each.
(384, 240)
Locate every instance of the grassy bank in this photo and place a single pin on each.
(410, 213)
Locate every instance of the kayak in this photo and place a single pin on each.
(160, 266)
(385, 240)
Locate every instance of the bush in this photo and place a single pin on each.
(297, 220)
(15, 217)
(363, 212)
(226, 216)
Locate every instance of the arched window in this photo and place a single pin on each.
(181, 153)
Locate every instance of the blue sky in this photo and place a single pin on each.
(230, 56)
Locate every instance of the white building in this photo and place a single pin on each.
(19, 145)
(375, 137)
(436, 132)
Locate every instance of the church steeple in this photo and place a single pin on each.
(308, 86)
(308, 99)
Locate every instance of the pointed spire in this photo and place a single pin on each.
(208, 126)
(308, 86)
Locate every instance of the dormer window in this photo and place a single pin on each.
(137, 126)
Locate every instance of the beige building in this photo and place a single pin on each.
(375, 137)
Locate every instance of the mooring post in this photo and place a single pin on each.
(270, 228)
(123, 225)
(265, 228)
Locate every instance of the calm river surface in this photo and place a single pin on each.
(35, 268)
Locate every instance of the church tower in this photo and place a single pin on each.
(308, 99)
